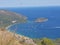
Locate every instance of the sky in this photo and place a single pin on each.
(28, 3)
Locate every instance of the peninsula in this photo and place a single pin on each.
(7, 18)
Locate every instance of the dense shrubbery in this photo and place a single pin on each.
(44, 41)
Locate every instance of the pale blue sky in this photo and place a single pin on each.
(28, 3)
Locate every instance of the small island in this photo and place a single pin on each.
(41, 19)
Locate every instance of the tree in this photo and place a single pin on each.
(46, 41)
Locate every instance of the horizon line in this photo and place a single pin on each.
(28, 6)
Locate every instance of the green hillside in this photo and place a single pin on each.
(8, 17)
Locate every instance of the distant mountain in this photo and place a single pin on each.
(8, 17)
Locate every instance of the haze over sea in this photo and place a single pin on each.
(50, 28)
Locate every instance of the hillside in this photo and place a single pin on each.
(11, 38)
(47, 41)
(8, 17)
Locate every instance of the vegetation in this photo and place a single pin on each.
(44, 41)
(7, 18)
(9, 38)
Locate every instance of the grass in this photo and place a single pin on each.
(44, 41)
(10, 38)
(7, 38)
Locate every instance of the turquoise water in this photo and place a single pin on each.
(36, 30)
(50, 29)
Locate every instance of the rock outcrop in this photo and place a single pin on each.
(41, 20)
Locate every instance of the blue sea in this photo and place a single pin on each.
(49, 29)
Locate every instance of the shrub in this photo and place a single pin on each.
(46, 41)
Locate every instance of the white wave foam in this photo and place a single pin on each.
(8, 27)
(57, 27)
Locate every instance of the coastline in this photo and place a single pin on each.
(10, 26)
(20, 37)
(14, 31)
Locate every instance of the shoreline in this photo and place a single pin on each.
(15, 32)
(9, 26)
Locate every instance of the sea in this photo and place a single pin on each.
(49, 29)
